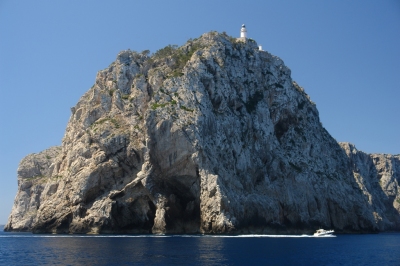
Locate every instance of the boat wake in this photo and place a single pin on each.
(272, 236)
(6, 235)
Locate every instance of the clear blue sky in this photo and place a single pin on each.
(346, 55)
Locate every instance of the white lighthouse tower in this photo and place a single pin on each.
(243, 32)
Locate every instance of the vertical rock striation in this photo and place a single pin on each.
(35, 183)
(378, 176)
(210, 137)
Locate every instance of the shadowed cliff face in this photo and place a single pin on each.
(210, 137)
(377, 176)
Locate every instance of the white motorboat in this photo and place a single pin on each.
(322, 232)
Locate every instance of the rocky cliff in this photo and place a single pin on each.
(210, 137)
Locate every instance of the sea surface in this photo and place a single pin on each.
(365, 249)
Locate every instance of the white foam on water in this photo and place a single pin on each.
(272, 236)
(160, 236)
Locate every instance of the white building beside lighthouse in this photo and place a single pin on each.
(243, 36)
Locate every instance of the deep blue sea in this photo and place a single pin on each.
(30, 249)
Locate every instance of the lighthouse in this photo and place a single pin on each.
(243, 32)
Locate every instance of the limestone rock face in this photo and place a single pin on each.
(35, 183)
(210, 137)
(378, 176)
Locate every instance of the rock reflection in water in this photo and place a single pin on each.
(28, 249)
(210, 251)
(126, 250)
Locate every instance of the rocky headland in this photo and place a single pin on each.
(210, 137)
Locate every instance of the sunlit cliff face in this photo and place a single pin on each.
(210, 137)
